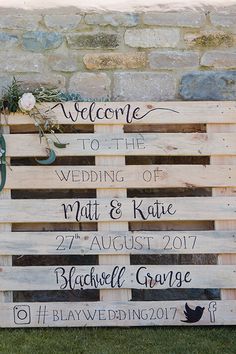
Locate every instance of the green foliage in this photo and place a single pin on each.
(44, 122)
(71, 96)
(65, 96)
(43, 94)
(60, 145)
(11, 96)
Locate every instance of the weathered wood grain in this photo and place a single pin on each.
(117, 242)
(125, 314)
(117, 277)
(146, 176)
(134, 144)
(159, 113)
(130, 209)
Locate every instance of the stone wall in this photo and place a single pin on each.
(122, 56)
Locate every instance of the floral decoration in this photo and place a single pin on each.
(14, 99)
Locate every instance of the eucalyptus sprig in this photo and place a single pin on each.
(43, 94)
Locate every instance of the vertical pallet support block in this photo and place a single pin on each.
(224, 259)
(5, 296)
(115, 161)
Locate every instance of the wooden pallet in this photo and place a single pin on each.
(141, 164)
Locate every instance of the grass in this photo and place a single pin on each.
(196, 340)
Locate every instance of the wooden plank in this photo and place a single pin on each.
(5, 195)
(225, 225)
(123, 294)
(147, 176)
(130, 209)
(99, 314)
(117, 242)
(131, 144)
(117, 277)
(135, 113)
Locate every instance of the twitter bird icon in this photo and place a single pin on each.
(193, 315)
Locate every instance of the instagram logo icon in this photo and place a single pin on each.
(22, 314)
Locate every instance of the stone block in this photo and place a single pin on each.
(20, 22)
(62, 22)
(30, 82)
(21, 62)
(90, 85)
(113, 19)
(40, 41)
(192, 19)
(8, 40)
(219, 59)
(91, 40)
(173, 59)
(209, 85)
(152, 38)
(209, 39)
(225, 18)
(64, 63)
(115, 61)
(143, 86)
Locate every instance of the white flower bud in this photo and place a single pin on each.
(27, 102)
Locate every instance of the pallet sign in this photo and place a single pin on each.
(113, 211)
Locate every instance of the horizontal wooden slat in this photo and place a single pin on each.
(135, 144)
(137, 209)
(136, 113)
(158, 313)
(117, 277)
(146, 176)
(117, 242)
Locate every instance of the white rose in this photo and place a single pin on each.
(27, 102)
